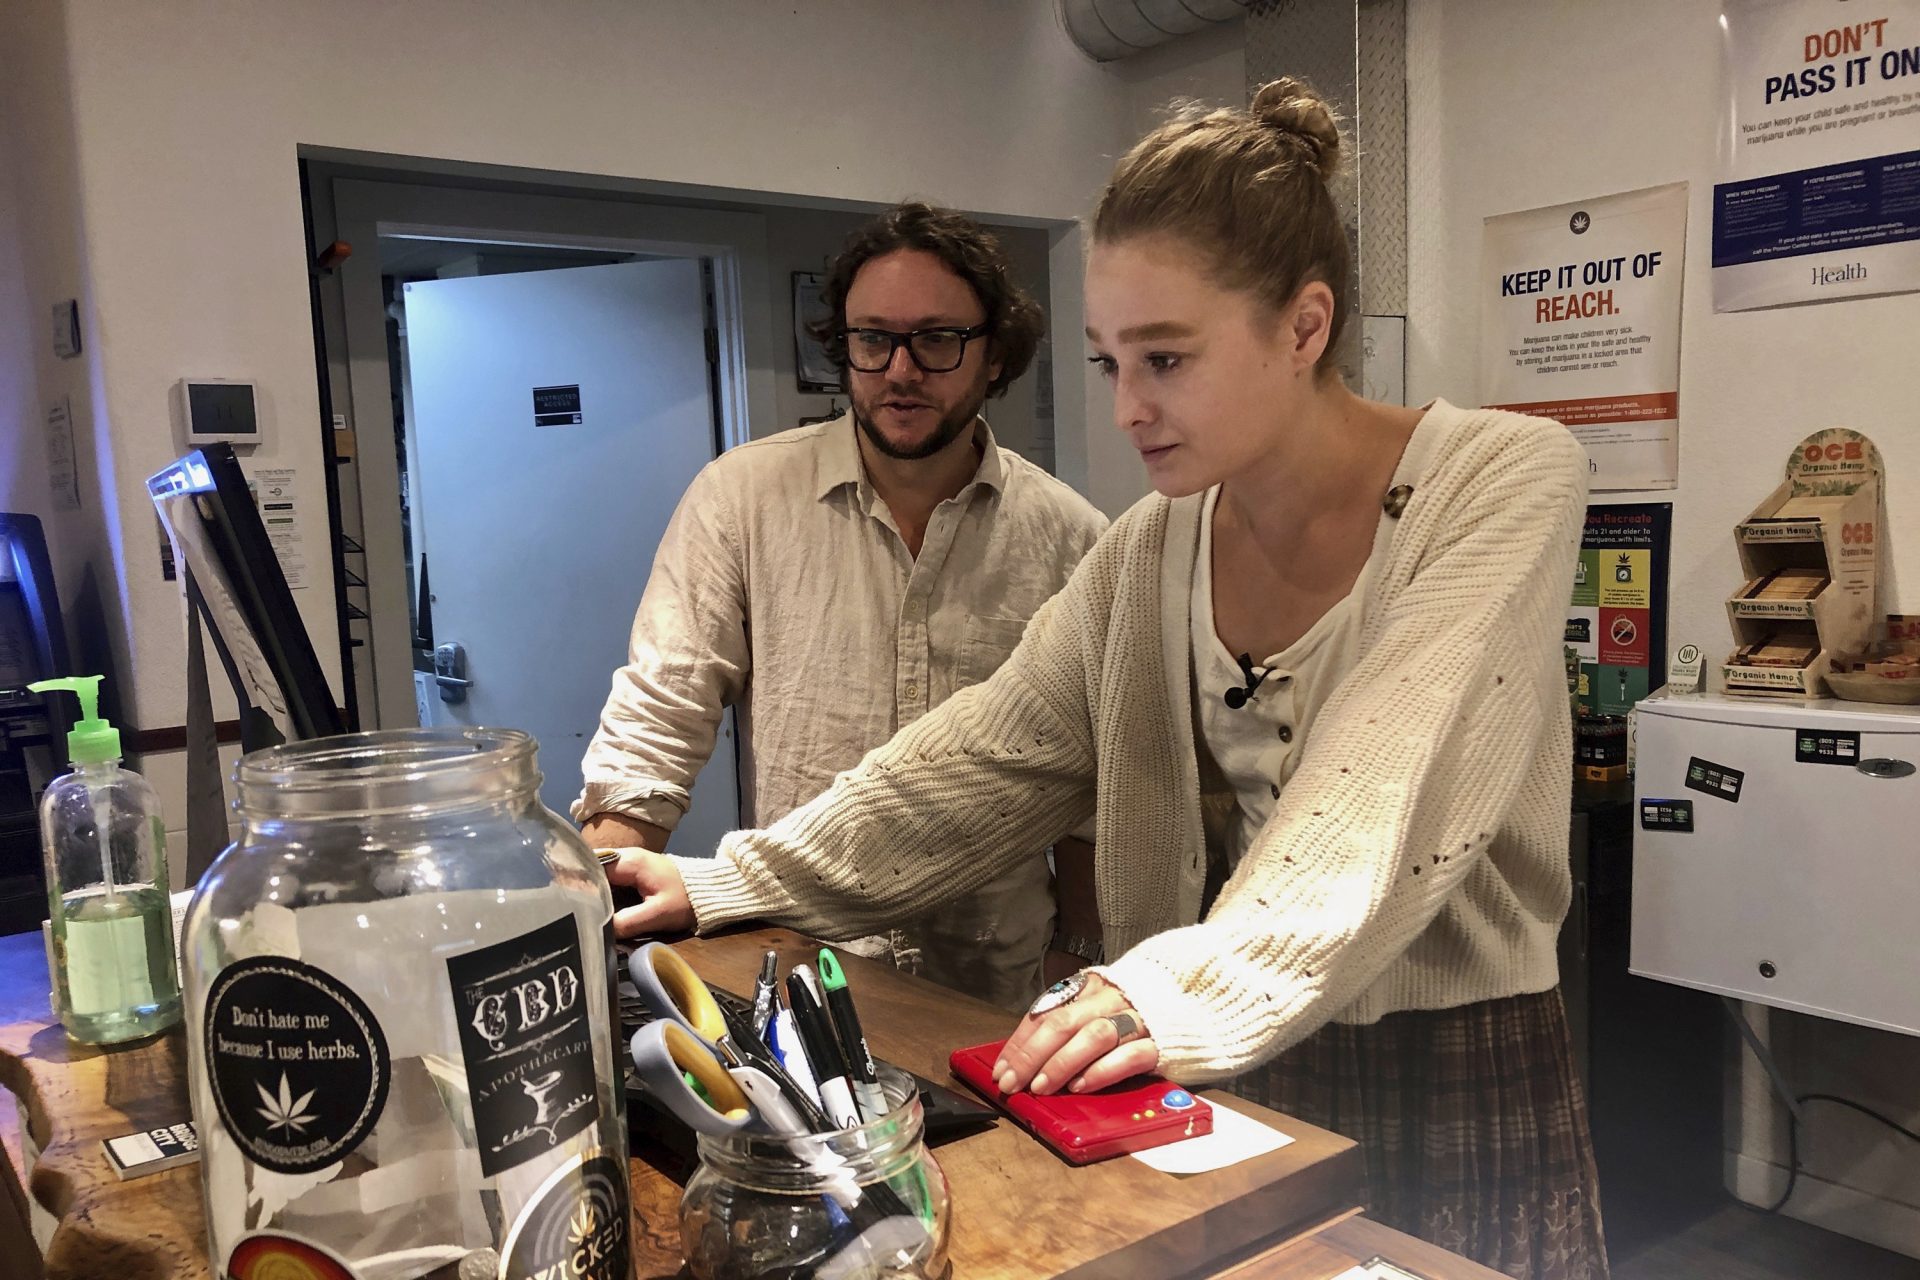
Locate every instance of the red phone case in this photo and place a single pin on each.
(1146, 1111)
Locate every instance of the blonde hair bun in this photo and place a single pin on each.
(1294, 109)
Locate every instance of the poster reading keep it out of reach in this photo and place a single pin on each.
(1819, 190)
(1580, 322)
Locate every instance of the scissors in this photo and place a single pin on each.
(672, 992)
(682, 1073)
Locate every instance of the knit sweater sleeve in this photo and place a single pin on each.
(991, 776)
(1411, 767)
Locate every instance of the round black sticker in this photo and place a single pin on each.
(575, 1225)
(298, 1065)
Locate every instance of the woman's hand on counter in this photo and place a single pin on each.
(663, 895)
(1079, 1045)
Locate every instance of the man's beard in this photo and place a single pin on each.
(944, 434)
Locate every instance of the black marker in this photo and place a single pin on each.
(853, 1041)
(822, 1050)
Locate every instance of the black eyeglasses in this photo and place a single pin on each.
(934, 350)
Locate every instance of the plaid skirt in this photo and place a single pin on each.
(1473, 1125)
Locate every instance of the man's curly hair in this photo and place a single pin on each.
(1015, 321)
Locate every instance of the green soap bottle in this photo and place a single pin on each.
(115, 976)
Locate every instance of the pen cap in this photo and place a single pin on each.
(832, 976)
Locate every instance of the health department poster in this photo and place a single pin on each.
(1819, 190)
(1580, 322)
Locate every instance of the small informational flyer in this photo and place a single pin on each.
(63, 466)
(1617, 618)
(1580, 322)
(1819, 190)
(273, 490)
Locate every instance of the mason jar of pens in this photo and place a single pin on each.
(813, 1159)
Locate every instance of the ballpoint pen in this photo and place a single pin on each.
(785, 1038)
(763, 992)
(756, 1052)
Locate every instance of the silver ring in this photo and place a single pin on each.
(1125, 1026)
(1061, 992)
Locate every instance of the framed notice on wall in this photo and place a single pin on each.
(812, 369)
(1580, 322)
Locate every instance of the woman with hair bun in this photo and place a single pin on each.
(1311, 689)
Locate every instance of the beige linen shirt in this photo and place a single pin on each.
(782, 588)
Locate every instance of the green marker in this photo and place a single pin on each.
(853, 1041)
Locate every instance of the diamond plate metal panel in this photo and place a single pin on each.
(1381, 126)
(1319, 41)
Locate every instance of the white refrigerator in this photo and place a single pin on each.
(1777, 855)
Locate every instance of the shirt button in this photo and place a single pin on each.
(1275, 788)
(913, 690)
(1286, 733)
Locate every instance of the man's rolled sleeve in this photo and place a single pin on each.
(687, 662)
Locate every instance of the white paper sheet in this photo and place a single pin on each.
(1234, 1138)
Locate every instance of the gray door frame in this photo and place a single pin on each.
(735, 243)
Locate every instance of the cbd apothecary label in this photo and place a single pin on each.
(528, 1043)
(574, 1227)
(299, 1067)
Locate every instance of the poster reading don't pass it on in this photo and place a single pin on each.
(1580, 322)
(1819, 191)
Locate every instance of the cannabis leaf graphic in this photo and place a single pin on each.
(284, 1112)
(583, 1223)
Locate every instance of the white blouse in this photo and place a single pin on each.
(1257, 746)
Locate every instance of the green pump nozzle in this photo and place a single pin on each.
(93, 740)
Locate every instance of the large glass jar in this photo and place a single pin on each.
(401, 1023)
(867, 1203)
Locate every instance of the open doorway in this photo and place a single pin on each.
(452, 243)
(531, 383)
(549, 419)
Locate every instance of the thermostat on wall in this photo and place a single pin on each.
(212, 409)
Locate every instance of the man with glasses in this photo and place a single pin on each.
(836, 582)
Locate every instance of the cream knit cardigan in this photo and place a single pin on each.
(1416, 860)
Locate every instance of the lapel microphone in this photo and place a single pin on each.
(1237, 698)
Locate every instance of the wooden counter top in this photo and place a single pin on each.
(1018, 1209)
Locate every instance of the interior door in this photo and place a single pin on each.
(558, 417)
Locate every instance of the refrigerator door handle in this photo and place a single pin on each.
(1885, 767)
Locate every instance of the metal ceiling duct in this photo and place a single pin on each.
(1109, 30)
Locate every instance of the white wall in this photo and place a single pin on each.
(1515, 104)
(1209, 66)
(41, 261)
(188, 116)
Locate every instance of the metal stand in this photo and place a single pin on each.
(1765, 1055)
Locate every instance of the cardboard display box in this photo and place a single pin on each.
(1810, 556)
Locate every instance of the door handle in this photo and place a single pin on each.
(450, 671)
(1884, 767)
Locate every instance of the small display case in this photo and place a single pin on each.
(1809, 555)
